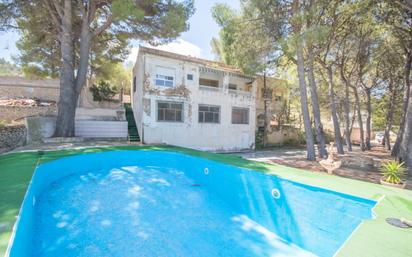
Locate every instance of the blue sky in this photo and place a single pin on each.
(195, 42)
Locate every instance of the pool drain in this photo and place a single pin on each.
(206, 171)
(275, 193)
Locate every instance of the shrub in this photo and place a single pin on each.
(103, 91)
(329, 137)
(292, 142)
(2, 123)
(393, 172)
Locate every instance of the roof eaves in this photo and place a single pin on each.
(208, 63)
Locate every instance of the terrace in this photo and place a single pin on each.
(226, 82)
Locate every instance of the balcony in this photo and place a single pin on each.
(210, 88)
(240, 92)
(224, 82)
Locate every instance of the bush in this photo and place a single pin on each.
(103, 91)
(2, 123)
(292, 142)
(330, 137)
(393, 172)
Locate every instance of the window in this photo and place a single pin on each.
(208, 82)
(164, 81)
(134, 84)
(170, 111)
(189, 76)
(209, 113)
(232, 86)
(240, 115)
(165, 76)
(278, 98)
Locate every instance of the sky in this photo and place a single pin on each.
(194, 42)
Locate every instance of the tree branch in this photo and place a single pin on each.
(407, 5)
(92, 11)
(105, 25)
(49, 8)
(81, 7)
(59, 8)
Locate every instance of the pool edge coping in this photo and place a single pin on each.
(204, 155)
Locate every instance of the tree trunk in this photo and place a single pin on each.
(389, 116)
(346, 107)
(311, 155)
(336, 126)
(405, 152)
(68, 97)
(71, 86)
(368, 118)
(346, 110)
(265, 121)
(353, 120)
(399, 137)
(359, 116)
(320, 136)
(85, 39)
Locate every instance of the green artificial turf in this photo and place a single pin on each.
(372, 238)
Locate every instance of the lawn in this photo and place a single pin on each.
(372, 238)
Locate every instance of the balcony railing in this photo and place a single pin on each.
(204, 87)
(220, 89)
(240, 92)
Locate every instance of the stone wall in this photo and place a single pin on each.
(12, 137)
(17, 87)
(283, 135)
(47, 90)
(18, 113)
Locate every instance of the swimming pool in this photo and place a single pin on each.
(157, 203)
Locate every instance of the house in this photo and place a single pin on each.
(192, 102)
(273, 93)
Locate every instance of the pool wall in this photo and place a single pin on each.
(297, 216)
(43, 176)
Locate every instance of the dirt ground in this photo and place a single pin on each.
(296, 157)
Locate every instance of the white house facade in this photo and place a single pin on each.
(191, 102)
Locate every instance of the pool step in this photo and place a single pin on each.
(133, 134)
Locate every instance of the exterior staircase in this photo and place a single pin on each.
(259, 138)
(133, 134)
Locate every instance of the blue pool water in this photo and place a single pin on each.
(150, 203)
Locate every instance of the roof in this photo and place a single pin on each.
(187, 58)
